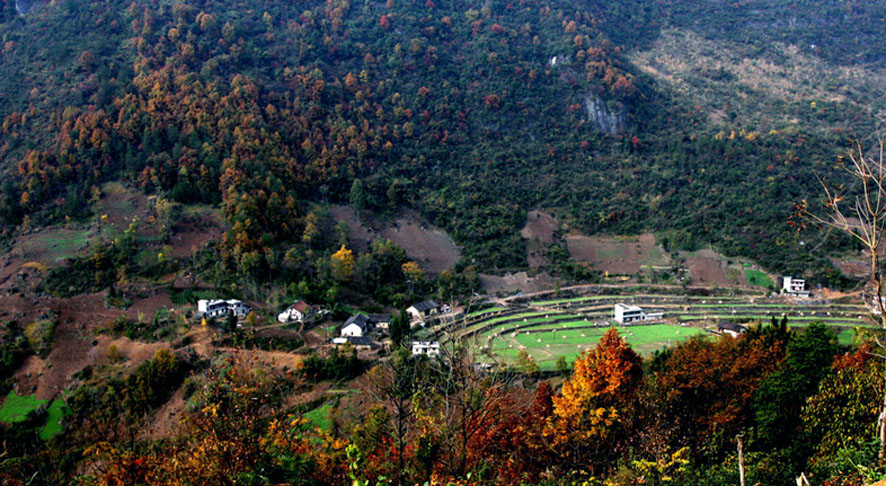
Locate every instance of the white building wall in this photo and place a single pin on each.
(352, 330)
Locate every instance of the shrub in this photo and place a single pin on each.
(40, 334)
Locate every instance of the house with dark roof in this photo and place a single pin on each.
(422, 309)
(380, 321)
(731, 328)
(356, 326)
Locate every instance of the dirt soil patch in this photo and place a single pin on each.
(517, 282)
(429, 246)
(75, 344)
(166, 419)
(359, 236)
(539, 226)
(122, 206)
(195, 229)
(619, 256)
(538, 233)
(706, 267)
(852, 268)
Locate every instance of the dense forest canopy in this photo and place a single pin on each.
(471, 112)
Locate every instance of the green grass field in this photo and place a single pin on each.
(53, 427)
(787, 308)
(496, 320)
(546, 347)
(758, 278)
(485, 311)
(576, 299)
(791, 319)
(320, 416)
(16, 408)
(53, 245)
(846, 337)
(191, 297)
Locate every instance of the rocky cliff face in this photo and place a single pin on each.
(603, 117)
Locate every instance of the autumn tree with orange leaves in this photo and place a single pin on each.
(592, 413)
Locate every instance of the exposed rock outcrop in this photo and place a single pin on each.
(603, 117)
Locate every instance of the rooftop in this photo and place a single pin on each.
(731, 326)
(425, 305)
(627, 307)
(361, 320)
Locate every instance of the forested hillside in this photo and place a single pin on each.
(471, 112)
(225, 252)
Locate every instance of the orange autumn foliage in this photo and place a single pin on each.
(593, 408)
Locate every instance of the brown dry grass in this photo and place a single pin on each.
(429, 246)
(538, 233)
(616, 255)
(517, 282)
(679, 59)
(708, 268)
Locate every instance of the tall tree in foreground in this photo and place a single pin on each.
(863, 217)
(393, 383)
(592, 411)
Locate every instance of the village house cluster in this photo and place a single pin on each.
(369, 331)
(363, 331)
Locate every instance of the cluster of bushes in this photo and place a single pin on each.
(340, 365)
(131, 397)
(14, 348)
(108, 264)
(159, 328)
(246, 338)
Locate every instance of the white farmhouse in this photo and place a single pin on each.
(625, 313)
(294, 313)
(794, 286)
(222, 308)
(356, 326)
(426, 348)
(422, 309)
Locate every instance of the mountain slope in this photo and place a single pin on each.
(471, 112)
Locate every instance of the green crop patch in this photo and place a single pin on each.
(485, 311)
(56, 411)
(846, 337)
(16, 408)
(319, 416)
(759, 279)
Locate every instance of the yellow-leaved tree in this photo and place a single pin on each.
(342, 263)
(591, 413)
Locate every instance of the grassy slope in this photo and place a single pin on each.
(16, 408)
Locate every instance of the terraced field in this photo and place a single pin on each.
(549, 329)
(546, 346)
